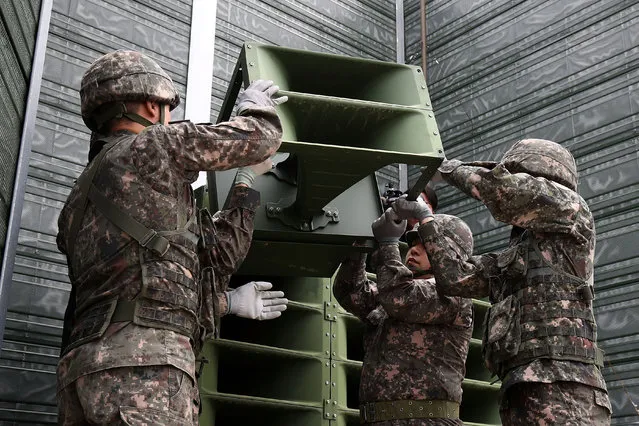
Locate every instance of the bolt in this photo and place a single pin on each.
(435, 133)
(251, 64)
(430, 115)
(327, 383)
(333, 336)
(271, 209)
(334, 305)
(334, 365)
(334, 354)
(278, 209)
(334, 416)
(423, 86)
(328, 364)
(248, 46)
(327, 287)
(333, 384)
(334, 402)
(334, 317)
(440, 151)
(327, 352)
(328, 415)
(427, 104)
(328, 401)
(327, 334)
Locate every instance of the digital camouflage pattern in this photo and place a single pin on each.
(158, 395)
(561, 224)
(124, 76)
(416, 341)
(542, 158)
(561, 403)
(148, 176)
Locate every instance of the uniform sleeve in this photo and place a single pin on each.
(455, 273)
(410, 300)
(521, 199)
(228, 236)
(244, 140)
(353, 291)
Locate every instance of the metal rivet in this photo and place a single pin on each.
(334, 365)
(327, 352)
(333, 336)
(423, 86)
(328, 334)
(327, 383)
(328, 401)
(251, 64)
(430, 402)
(248, 46)
(334, 305)
(410, 402)
(328, 415)
(430, 115)
(334, 354)
(334, 416)
(271, 209)
(328, 363)
(435, 133)
(427, 104)
(334, 317)
(334, 402)
(278, 209)
(333, 384)
(421, 408)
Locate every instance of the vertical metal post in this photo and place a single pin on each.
(422, 17)
(401, 58)
(199, 80)
(28, 128)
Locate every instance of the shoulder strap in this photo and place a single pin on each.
(84, 183)
(146, 237)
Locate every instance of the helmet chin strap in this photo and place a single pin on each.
(420, 272)
(119, 111)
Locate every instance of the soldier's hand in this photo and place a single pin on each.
(260, 93)
(254, 301)
(418, 209)
(388, 228)
(246, 175)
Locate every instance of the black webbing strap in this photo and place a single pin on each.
(118, 110)
(146, 237)
(84, 183)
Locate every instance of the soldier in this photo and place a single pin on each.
(540, 337)
(416, 342)
(134, 241)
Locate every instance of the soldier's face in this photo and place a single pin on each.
(416, 258)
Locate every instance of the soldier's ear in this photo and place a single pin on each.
(150, 110)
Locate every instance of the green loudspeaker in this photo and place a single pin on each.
(345, 118)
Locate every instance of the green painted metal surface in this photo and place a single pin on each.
(346, 118)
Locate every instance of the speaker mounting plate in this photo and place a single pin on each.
(284, 210)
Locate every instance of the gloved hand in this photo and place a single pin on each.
(247, 174)
(387, 229)
(253, 301)
(259, 93)
(412, 209)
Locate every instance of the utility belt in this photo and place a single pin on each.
(382, 411)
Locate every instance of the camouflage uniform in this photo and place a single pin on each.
(140, 312)
(416, 342)
(540, 331)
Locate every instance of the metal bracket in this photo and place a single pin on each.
(330, 311)
(330, 409)
(283, 210)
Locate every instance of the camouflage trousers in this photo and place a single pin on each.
(136, 396)
(559, 403)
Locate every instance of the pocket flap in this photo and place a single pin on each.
(146, 416)
(501, 316)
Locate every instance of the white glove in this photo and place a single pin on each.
(252, 300)
(259, 93)
(388, 228)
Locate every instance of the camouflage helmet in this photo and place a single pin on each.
(542, 158)
(123, 76)
(452, 227)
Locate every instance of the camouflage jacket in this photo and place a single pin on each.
(167, 159)
(562, 224)
(416, 341)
